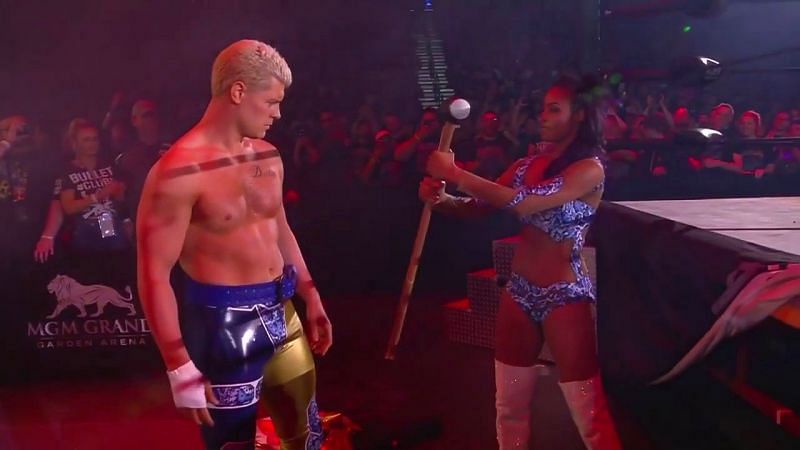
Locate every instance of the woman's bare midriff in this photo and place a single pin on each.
(542, 261)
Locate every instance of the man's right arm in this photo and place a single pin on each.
(162, 222)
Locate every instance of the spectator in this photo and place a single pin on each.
(118, 137)
(362, 145)
(704, 121)
(381, 168)
(45, 247)
(305, 153)
(395, 126)
(134, 164)
(528, 135)
(490, 152)
(92, 199)
(721, 117)
(367, 112)
(621, 162)
(752, 160)
(657, 127)
(333, 144)
(788, 162)
(67, 152)
(26, 178)
(682, 119)
(523, 126)
(780, 125)
(656, 104)
(422, 143)
(718, 158)
(118, 110)
(334, 140)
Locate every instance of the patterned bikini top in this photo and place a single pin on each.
(567, 221)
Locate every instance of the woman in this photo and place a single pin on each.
(549, 296)
(752, 160)
(91, 199)
(45, 247)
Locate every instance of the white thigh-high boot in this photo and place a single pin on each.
(589, 408)
(513, 402)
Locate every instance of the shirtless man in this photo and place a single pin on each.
(213, 204)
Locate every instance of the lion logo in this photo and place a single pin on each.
(69, 292)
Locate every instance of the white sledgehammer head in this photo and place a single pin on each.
(459, 109)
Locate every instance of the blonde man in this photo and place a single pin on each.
(213, 205)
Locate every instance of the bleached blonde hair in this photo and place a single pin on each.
(72, 129)
(252, 62)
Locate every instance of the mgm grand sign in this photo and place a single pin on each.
(105, 318)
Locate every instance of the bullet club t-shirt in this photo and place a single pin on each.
(99, 226)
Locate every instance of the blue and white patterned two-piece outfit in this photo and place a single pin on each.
(566, 222)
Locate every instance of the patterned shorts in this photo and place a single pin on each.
(538, 302)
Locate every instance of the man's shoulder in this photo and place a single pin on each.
(260, 145)
(178, 155)
(183, 158)
(259, 149)
(176, 175)
(189, 156)
(188, 150)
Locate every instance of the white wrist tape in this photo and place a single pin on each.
(188, 388)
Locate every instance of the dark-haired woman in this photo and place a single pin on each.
(549, 296)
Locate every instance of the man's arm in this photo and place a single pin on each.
(163, 218)
(162, 221)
